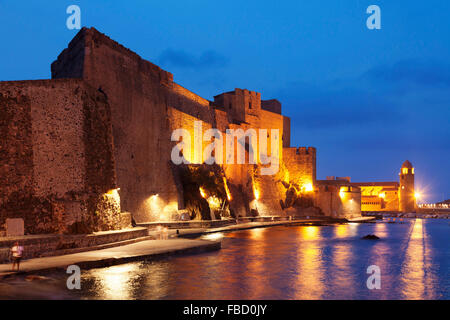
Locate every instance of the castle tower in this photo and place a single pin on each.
(242, 105)
(407, 201)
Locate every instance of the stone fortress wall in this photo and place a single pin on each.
(56, 155)
(94, 142)
(146, 106)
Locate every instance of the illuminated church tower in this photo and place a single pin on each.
(406, 189)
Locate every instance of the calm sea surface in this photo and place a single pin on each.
(297, 262)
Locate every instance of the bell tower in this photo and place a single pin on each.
(407, 200)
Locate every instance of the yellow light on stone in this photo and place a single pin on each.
(342, 192)
(202, 192)
(213, 202)
(382, 195)
(286, 176)
(256, 193)
(111, 192)
(114, 193)
(226, 189)
(309, 187)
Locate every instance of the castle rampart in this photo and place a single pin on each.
(96, 140)
(301, 165)
(57, 155)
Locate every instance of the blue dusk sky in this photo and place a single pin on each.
(366, 99)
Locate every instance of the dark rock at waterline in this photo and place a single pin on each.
(370, 237)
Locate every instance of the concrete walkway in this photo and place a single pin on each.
(123, 254)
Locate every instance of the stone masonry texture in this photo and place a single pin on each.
(95, 140)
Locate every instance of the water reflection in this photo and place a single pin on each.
(417, 278)
(256, 266)
(257, 233)
(157, 280)
(381, 255)
(306, 262)
(345, 230)
(381, 229)
(413, 274)
(341, 231)
(115, 282)
(342, 275)
(310, 233)
(310, 267)
(301, 262)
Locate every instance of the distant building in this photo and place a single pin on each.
(392, 195)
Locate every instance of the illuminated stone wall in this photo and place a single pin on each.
(123, 119)
(301, 166)
(56, 155)
(137, 92)
(379, 198)
(147, 105)
(338, 199)
(79, 151)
